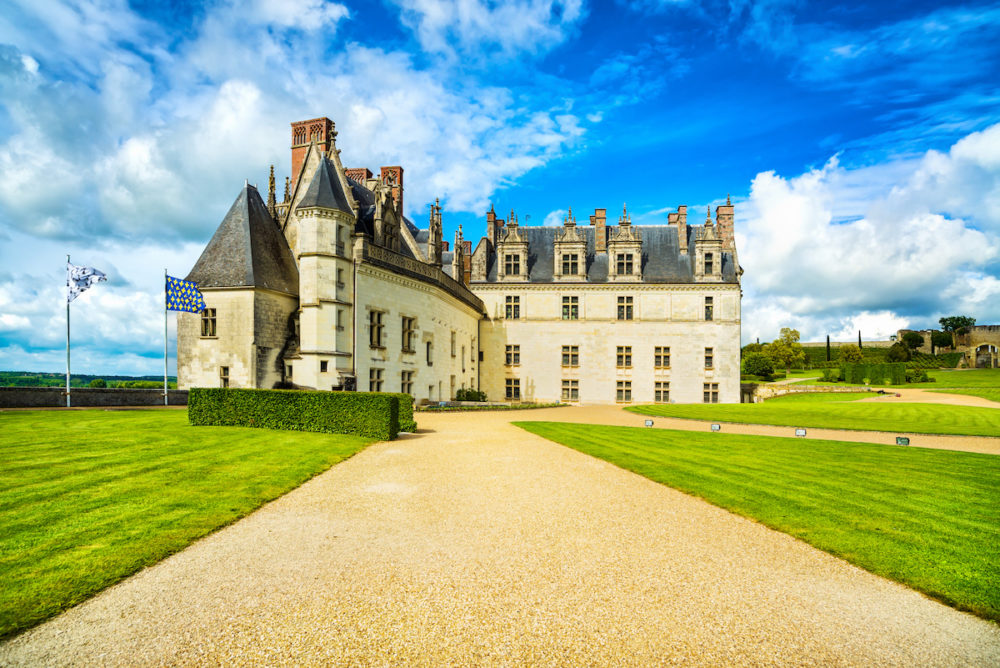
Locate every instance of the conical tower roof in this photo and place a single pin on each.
(247, 250)
(325, 189)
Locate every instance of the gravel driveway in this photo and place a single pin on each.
(477, 543)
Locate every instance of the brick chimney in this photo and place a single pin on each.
(303, 133)
(599, 221)
(724, 224)
(393, 177)
(359, 174)
(682, 230)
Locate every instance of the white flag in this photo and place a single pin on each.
(79, 279)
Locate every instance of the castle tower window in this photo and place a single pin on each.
(623, 392)
(625, 304)
(208, 323)
(512, 264)
(571, 355)
(453, 343)
(709, 358)
(430, 353)
(375, 380)
(711, 393)
(661, 357)
(376, 333)
(709, 263)
(571, 390)
(512, 307)
(409, 327)
(570, 308)
(661, 392)
(323, 366)
(623, 358)
(709, 308)
(223, 376)
(623, 264)
(570, 263)
(512, 355)
(513, 388)
(406, 382)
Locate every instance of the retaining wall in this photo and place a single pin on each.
(753, 393)
(50, 397)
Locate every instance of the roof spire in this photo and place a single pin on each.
(288, 192)
(271, 201)
(708, 215)
(728, 203)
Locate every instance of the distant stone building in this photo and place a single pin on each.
(334, 288)
(980, 346)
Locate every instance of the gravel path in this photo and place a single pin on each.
(478, 543)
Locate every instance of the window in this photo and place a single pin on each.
(223, 376)
(570, 263)
(624, 357)
(513, 355)
(623, 264)
(709, 358)
(570, 308)
(453, 344)
(571, 355)
(708, 263)
(512, 264)
(208, 322)
(340, 320)
(323, 366)
(625, 308)
(513, 388)
(376, 329)
(430, 353)
(661, 393)
(288, 371)
(661, 357)
(512, 307)
(709, 308)
(711, 393)
(409, 331)
(571, 390)
(340, 278)
(463, 359)
(375, 380)
(624, 391)
(406, 382)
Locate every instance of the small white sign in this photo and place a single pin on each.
(716, 427)
(800, 432)
(649, 423)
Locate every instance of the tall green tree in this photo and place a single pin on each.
(851, 354)
(957, 324)
(940, 339)
(913, 340)
(785, 351)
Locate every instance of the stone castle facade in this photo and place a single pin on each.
(334, 288)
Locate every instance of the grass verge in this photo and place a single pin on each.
(796, 411)
(486, 407)
(971, 378)
(985, 393)
(90, 497)
(927, 518)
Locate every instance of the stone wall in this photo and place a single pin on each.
(754, 393)
(48, 397)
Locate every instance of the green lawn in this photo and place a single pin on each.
(90, 497)
(927, 518)
(985, 393)
(972, 378)
(837, 412)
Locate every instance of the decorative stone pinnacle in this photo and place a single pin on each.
(728, 203)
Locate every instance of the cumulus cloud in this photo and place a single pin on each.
(836, 249)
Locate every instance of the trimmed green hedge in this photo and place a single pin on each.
(892, 373)
(371, 414)
(406, 421)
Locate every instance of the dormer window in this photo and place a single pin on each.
(570, 263)
(623, 264)
(708, 263)
(512, 264)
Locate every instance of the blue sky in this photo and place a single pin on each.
(860, 142)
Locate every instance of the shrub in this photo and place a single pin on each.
(917, 376)
(469, 394)
(831, 375)
(912, 340)
(899, 352)
(851, 354)
(941, 339)
(98, 382)
(371, 414)
(406, 421)
(758, 364)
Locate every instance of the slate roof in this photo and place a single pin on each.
(247, 250)
(662, 261)
(325, 190)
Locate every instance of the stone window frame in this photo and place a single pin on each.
(454, 340)
(709, 358)
(709, 259)
(223, 376)
(661, 357)
(430, 352)
(512, 307)
(661, 391)
(323, 366)
(570, 307)
(570, 389)
(623, 357)
(570, 263)
(626, 307)
(376, 329)
(375, 379)
(209, 323)
(511, 264)
(623, 391)
(512, 354)
(512, 389)
(709, 308)
(406, 382)
(408, 327)
(624, 263)
(711, 393)
(571, 356)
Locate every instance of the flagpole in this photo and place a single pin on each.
(165, 402)
(67, 332)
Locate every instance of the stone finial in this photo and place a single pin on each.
(288, 189)
(708, 216)
(624, 219)
(271, 201)
(570, 221)
(728, 203)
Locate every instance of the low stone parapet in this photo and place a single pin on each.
(752, 393)
(55, 397)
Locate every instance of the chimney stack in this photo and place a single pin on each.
(599, 220)
(303, 133)
(393, 177)
(724, 224)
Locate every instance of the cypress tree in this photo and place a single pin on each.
(827, 347)
(859, 339)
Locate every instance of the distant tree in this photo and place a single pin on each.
(752, 348)
(957, 324)
(98, 382)
(851, 353)
(758, 364)
(913, 340)
(899, 352)
(785, 351)
(940, 339)
(827, 347)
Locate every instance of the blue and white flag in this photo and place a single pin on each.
(79, 279)
(184, 296)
